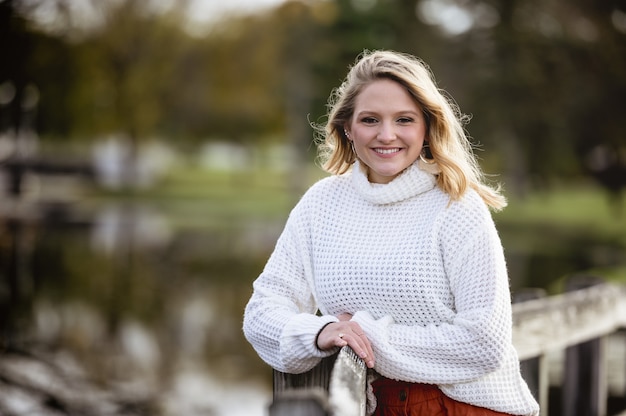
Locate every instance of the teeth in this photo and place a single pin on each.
(386, 151)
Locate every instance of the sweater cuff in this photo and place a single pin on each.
(298, 341)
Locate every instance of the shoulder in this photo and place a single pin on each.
(466, 216)
(466, 227)
(330, 184)
(470, 205)
(325, 191)
(325, 188)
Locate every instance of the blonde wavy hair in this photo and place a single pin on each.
(450, 146)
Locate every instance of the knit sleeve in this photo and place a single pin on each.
(475, 341)
(280, 318)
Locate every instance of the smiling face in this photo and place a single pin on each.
(387, 128)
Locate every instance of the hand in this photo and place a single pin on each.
(346, 332)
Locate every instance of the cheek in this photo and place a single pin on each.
(357, 135)
(363, 132)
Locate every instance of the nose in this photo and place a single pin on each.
(386, 133)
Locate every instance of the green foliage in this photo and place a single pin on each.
(580, 209)
(194, 198)
(123, 73)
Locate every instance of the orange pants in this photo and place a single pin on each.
(399, 398)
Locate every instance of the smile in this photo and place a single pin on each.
(387, 151)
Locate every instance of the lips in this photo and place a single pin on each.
(387, 151)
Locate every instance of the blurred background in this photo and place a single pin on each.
(150, 152)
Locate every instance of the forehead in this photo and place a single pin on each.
(385, 94)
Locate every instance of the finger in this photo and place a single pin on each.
(368, 356)
(341, 342)
(365, 350)
(370, 360)
(361, 346)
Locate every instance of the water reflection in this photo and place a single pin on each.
(114, 312)
(136, 317)
(116, 226)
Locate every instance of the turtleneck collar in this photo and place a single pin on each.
(413, 181)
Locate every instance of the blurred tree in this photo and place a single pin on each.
(545, 80)
(542, 79)
(243, 61)
(19, 94)
(124, 68)
(38, 60)
(596, 97)
(15, 43)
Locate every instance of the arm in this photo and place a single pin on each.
(279, 319)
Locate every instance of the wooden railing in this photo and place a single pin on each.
(577, 322)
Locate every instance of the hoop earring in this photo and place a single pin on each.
(426, 156)
(427, 161)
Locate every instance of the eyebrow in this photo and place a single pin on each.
(366, 112)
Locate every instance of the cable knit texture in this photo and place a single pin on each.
(424, 277)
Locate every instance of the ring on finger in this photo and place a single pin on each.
(342, 335)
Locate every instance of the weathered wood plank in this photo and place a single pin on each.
(559, 321)
(347, 385)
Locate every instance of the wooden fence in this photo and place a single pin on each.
(577, 323)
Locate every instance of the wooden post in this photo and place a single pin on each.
(300, 402)
(585, 390)
(535, 373)
(302, 394)
(317, 377)
(584, 385)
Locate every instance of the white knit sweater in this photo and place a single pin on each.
(424, 277)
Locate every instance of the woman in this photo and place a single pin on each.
(395, 255)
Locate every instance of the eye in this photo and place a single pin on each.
(368, 120)
(405, 120)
